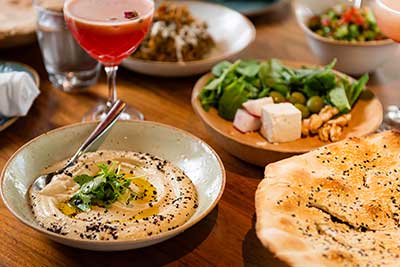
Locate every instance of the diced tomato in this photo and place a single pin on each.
(353, 15)
(348, 14)
(359, 20)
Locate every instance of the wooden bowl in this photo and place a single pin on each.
(366, 114)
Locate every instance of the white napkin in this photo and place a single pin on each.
(17, 93)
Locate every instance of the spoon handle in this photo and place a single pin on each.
(112, 116)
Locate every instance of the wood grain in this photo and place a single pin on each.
(226, 237)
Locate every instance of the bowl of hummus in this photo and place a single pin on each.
(142, 184)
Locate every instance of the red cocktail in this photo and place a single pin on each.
(109, 30)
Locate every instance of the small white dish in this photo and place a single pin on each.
(352, 58)
(200, 163)
(231, 31)
(9, 66)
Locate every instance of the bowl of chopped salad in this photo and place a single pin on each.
(336, 29)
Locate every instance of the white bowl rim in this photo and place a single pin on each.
(309, 32)
(207, 60)
(167, 234)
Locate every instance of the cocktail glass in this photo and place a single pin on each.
(109, 30)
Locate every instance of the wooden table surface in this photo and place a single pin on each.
(226, 237)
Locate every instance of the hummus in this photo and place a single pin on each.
(167, 199)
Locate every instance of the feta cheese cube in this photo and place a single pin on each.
(245, 122)
(281, 122)
(254, 106)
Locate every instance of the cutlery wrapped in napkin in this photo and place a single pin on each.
(17, 93)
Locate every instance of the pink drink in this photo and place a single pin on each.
(109, 30)
(387, 14)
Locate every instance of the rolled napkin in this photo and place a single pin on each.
(17, 93)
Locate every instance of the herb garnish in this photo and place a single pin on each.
(102, 190)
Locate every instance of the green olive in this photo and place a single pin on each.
(277, 97)
(315, 104)
(297, 98)
(305, 113)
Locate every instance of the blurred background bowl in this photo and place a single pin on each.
(353, 58)
(231, 31)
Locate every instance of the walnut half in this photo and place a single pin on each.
(341, 120)
(323, 124)
(315, 123)
(327, 113)
(305, 127)
(330, 132)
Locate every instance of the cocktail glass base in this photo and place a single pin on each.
(74, 82)
(99, 112)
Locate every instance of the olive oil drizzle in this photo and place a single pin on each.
(146, 194)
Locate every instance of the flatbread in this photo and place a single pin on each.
(16, 17)
(335, 206)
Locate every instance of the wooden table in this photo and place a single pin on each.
(224, 238)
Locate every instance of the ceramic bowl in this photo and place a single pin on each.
(231, 31)
(353, 58)
(189, 153)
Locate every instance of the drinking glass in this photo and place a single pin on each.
(387, 13)
(109, 30)
(69, 67)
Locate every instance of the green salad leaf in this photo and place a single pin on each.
(248, 68)
(338, 98)
(218, 69)
(216, 83)
(356, 89)
(232, 99)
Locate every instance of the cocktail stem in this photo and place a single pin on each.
(111, 72)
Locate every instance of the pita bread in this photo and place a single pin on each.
(335, 206)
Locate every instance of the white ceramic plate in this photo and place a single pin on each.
(231, 31)
(192, 155)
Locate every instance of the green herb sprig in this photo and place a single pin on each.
(102, 190)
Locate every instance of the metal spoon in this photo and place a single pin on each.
(116, 109)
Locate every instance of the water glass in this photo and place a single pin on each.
(68, 65)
